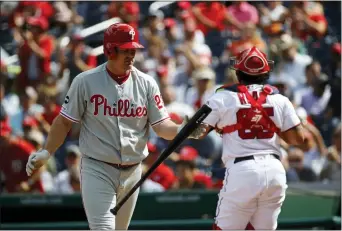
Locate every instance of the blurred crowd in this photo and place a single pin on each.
(187, 51)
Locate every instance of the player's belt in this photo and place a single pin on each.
(118, 166)
(239, 159)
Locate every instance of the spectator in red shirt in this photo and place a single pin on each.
(209, 16)
(305, 24)
(163, 174)
(20, 14)
(77, 57)
(27, 9)
(14, 153)
(35, 53)
(189, 177)
(44, 8)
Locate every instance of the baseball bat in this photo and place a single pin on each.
(193, 123)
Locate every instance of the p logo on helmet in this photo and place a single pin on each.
(132, 33)
(120, 35)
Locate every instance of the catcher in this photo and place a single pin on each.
(252, 117)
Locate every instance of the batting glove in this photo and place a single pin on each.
(36, 160)
(197, 133)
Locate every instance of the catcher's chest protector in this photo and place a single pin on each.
(256, 118)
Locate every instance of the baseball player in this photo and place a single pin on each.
(115, 104)
(252, 117)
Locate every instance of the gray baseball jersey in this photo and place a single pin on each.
(115, 118)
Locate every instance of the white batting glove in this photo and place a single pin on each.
(197, 133)
(36, 160)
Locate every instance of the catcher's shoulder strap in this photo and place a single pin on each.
(243, 92)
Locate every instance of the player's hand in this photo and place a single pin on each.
(198, 133)
(37, 160)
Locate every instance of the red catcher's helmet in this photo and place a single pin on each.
(252, 62)
(122, 36)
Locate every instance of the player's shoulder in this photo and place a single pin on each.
(219, 98)
(280, 100)
(226, 91)
(227, 88)
(141, 76)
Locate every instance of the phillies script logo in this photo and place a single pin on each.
(122, 108)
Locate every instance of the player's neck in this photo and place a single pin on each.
(114, 72)
(120, 79)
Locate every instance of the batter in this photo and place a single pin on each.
(115, 104)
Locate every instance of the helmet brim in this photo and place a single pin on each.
(131, 45)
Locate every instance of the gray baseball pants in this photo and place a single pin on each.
(102, 186)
